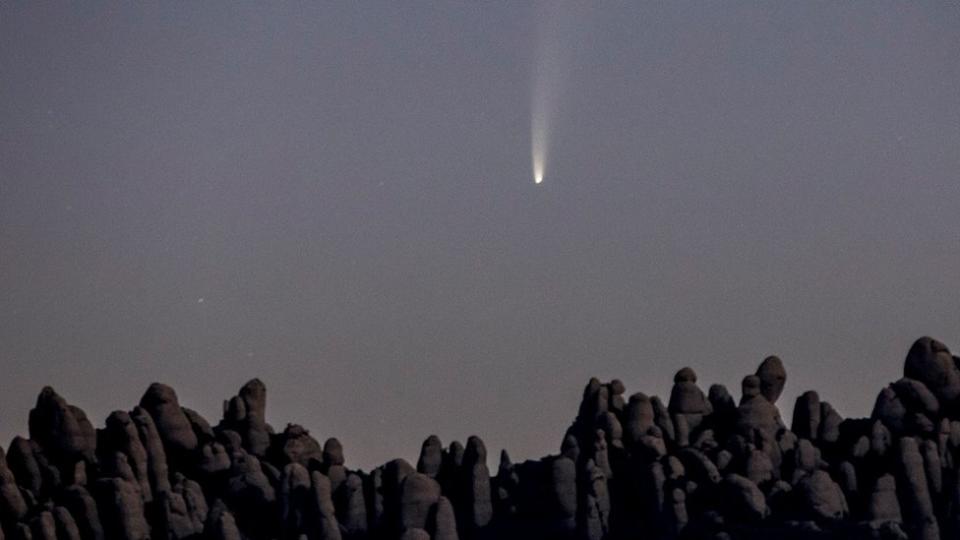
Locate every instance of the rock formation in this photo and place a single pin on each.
(703, 466)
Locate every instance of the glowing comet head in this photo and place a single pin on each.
(539, 155)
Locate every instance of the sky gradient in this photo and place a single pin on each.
(338, 199)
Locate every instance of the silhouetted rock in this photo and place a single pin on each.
(639, 418)
(686, 397)
(821, 498)
(324, 519)
(476, 485)
(121, 509)
(245, 414)
(13, 507)
(830, 420)
(773, 377)
(295, 445)
(703, 467)
(62, 430)
(85, 512)
(221, 524)
(352, 508)
(916, 502)
(66, 526)
(157, 469)
(756, 415)
(293, 498)
(744, 498)
(121, 435)
(931, 363)
(418, 494)
(22, 460)
(213, 459)
(431, 457)
(332, 452)
(884, 505)
(247, 490)
(444, 526)
(806, 416)
(562, 495)
(172, 424)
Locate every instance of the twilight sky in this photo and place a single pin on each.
(338, 199)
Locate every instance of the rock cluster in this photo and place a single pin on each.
(702, 466)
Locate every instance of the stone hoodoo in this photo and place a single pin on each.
(705, 465)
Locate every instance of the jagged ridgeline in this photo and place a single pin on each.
(701, 466)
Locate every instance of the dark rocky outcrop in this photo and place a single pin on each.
(62, 430)
(705, 465)
(172, 423)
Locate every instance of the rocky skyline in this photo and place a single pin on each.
(699, 464)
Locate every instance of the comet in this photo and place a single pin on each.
(538, 137)
(543, 101)
(556, 31)
(538, 155)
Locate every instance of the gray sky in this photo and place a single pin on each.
(338, 199)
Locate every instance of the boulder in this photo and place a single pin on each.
(821, 498)
(562, 494)
(743, 498)
(121, 435)
(431, 457)
(172, 424)
(85, 512)
(686, 397)
(121, 509)
(323, 513)
(915, 396)
(661, 418)
(418, 494)
(13, 507)
(61, 429)
(157, 469)
(295, 445)
(830, 420)
(476, 485)
(884, 505)
(44, 527)
(773, 377)
(221, 525)
(333, 452)
(931, 363)
(639, 418)
(245, 414)
(806, 416)
(755, 414)
(23, 463)
(213, 459)
(916, 502)
(293, 499)
(594, 519)
(351, 507)
(201, 428)
(66, 526)
(444, 525)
